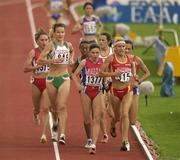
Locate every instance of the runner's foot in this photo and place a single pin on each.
(92, 149)
(62, 139)
(43, 139)
(36, 120)
(125, 146)
(104, 138)
(113, 129)
(89, 143)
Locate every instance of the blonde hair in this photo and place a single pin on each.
(40, 32)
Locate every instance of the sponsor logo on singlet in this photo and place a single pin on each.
(62, 52)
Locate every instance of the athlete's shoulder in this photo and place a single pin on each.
(69, 44)
(109, 59)
(81, 19)
(137, 57)
(32, 52)
(140, 62)
(130, 57)
(96, 18)
(51, 44)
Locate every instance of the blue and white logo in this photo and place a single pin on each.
(139, 11)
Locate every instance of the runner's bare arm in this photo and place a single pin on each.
(71, 54)
(46, 8)
(43, 56)
(75, 65)
(143, 67)
(77, 27)
(28, 63)
(100, 26)
(65, 5)
(77, 72)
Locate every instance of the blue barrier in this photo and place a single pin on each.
(167, 81)
(141, 11)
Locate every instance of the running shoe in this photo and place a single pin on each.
(92, 149)
(105, 138)
(36, 120)
(62, 139)
(125, 146)
(113, 132)
(43, 139)
(89, 143)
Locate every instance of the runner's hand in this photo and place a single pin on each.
(58, 60)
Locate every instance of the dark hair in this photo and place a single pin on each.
(94, 45)
(108, 37)
(86, 4)
(83, 42)
(130, 42)
(40, 32)
(56, 25)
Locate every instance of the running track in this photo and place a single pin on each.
(19, 138)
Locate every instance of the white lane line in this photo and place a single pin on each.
(56, 150)
(31, 20)
(136, 132)
(33, 31)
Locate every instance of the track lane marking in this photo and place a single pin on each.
(33, 31)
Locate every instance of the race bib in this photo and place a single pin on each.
(43, 69)
(56, 5)
(90, 27)
(94, 81)
(124, 77)
(63, 55)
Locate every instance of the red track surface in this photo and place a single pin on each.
(19, 138)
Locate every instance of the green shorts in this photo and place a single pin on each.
(58, 81)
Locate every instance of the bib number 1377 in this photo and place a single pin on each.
(93, 80)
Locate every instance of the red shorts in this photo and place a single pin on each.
(40, 83)
(121, 92)
(92, 91)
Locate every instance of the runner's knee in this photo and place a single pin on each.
(124, 115)
(36, 110)
(61, 108)
(97, 118)
(45, 110)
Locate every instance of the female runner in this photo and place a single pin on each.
(58, 54)
(38, 80)
(88, 24)
(140, 66)
(106, 50)
(120, 68)
(91, 92)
